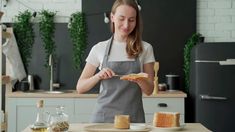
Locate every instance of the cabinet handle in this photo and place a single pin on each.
(162, 105)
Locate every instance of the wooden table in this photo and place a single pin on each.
(189, 127)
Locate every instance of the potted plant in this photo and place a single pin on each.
(23, 30)
(78, 34)
(191, 42)
(47, 29)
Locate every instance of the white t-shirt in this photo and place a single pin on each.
(118, 53)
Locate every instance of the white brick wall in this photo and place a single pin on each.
(64, 8)
(216, 20)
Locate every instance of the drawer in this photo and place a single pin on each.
(152, 105)
(84, 105)
(82, 118)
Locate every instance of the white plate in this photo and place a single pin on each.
(138, 126)
(108, 127)
(171, 128)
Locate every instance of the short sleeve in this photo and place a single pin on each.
(92, 57)
(148, 55)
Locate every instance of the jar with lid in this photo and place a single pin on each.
(162, 86)
(58, 122)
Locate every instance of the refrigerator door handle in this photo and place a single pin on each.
(207, 97)
(206, 61)
(226, 62)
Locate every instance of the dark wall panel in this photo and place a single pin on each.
(64, 71)
(167, 26)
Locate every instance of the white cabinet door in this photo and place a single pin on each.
(84, 108)
(22, 111)
(152, 105)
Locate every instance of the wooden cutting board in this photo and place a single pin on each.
(110, 128)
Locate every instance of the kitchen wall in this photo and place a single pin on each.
(161, 29)
(64, 8)
(216, 20)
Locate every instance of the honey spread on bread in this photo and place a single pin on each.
(134, 76)
(166, 119)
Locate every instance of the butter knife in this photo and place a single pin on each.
(118, 75)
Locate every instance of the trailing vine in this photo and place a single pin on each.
(191, 42)
(78, 34)
(47, 30)
(23, 30)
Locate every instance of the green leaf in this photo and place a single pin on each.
(23, 30)
(78, 34)
(191, 42)
(47, 30)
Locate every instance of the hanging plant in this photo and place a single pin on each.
(47, 29)
(23, 30)
(78, 34)
(192, 41)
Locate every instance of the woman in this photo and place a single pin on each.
(122, 54)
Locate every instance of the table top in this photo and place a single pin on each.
(74, 94)
(188, 127)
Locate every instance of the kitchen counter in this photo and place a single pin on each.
(189, 127)
(80, 107)
(74, 94)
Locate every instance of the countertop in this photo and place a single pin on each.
(74, 94)
(189, 127)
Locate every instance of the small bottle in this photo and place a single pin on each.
(40, 124)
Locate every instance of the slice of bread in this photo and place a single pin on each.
(166, 119)
(134, 76)
(122, 121)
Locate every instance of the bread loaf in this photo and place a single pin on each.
(122, 121)
(134, 76)
(166, 119)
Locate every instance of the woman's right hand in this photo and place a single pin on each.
(105, 73)
(88, 80)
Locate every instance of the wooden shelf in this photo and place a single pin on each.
(5, 79)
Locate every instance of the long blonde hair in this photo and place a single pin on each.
(134, 40)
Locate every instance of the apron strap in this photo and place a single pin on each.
(107, 51)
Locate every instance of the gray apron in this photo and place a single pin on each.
(119, 96)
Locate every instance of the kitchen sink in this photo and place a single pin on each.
(51, 92)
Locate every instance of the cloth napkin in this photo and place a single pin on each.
(11, 51)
